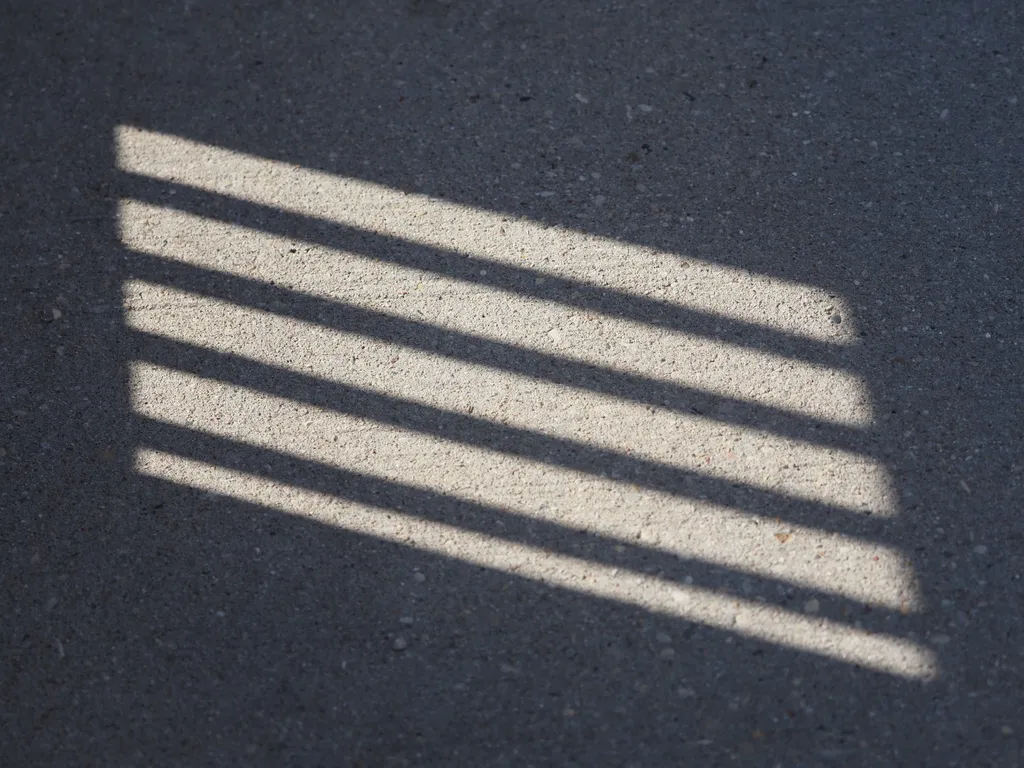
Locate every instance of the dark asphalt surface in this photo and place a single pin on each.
(875, 149)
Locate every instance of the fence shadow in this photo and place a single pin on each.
(867, 153)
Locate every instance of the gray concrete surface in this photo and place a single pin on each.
(452, 383)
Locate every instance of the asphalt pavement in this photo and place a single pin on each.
(502, 383)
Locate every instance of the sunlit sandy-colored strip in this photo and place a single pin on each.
(717, 367)
(762, 622)
(729, 451)
(850, 569)
(726, 292)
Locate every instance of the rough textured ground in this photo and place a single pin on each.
(457, 383)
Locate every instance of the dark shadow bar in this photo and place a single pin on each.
(456, 345)
(465, 268)
(469, 430)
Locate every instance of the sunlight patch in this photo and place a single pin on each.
(716, 290)
(542, 401)
(751, 619)
(744, 540)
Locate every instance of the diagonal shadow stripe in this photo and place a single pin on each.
(498, 355)
(482, 272)
(469, 430)
(433, 506)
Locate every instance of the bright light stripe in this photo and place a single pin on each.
(779, 465)
(716, 367)
(756, 458)
(717, 290)
(739, 540)
(763, 622)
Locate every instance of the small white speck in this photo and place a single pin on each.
(981, 549)
(812, 606)
(944, 114)
(645, 107)
(599, 199)
(582, 99)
